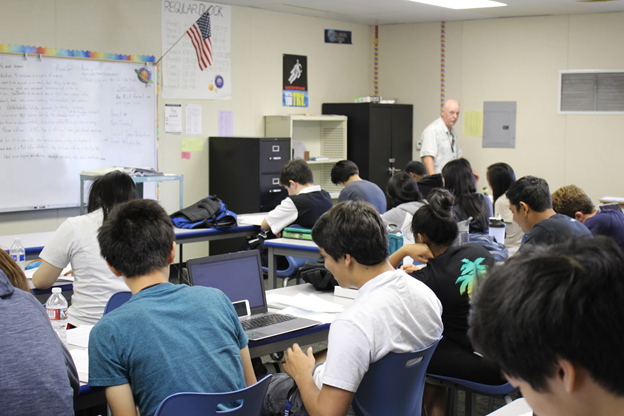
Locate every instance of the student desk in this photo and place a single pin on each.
(518, 407)
(95, 396)
(34, 242)
(288, 247)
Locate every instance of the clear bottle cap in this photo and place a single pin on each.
(56, 290)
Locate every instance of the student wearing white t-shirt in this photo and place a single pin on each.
(393, 312)
(75, 242)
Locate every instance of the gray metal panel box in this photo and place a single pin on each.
(499, 124)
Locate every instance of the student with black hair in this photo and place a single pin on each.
(459, 179)
(416, 169)
(552, 320)
(75, 242)
(347, 174)
(531, 205)
(305, 203)
(453, 273)
(500, 177)
(404, 198)
(167, 338)
(392, 313)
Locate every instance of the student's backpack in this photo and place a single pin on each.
(314, 272)
(209, 212)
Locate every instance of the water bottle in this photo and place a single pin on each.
(18, 253)
(56, 307)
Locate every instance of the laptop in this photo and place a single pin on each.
(239, 276)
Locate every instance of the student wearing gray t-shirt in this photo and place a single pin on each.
(347, 174)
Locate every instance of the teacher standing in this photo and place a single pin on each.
(439, 140)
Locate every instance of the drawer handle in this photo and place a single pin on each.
(275, 158)
(274, 190)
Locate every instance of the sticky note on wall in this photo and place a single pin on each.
(192, 145)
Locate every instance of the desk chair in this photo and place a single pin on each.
(205, 404)
(116, 301)
(394, 385)
(613, 206)
(502, 391)
(293, 264)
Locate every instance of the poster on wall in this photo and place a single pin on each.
(198, 66)
(295, 81)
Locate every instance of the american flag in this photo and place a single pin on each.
(200, 36)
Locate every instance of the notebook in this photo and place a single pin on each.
(239, 276)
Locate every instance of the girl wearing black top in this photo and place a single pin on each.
(460, 181)
(453, 273)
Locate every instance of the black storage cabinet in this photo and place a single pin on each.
(244, 172)
(379, 137)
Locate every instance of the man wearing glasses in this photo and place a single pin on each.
(439, 140)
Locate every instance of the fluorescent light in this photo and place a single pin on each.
(462, 4)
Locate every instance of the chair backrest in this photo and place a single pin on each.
(613, 205)
(394, 385)
(205, 404)
(116, 301)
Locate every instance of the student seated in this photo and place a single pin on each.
(37, 374)
(417, 170)
(75, 242)
(305, 203)
(393, 312)
(500, 177)
(575, 203)
(552, 320)
(167, 338)
(459, 179)
(404, 198)
(531, 206)
(453, 273)
(347, 174)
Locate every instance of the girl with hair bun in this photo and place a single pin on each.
(453, 273)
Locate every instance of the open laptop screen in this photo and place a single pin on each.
(237, 275)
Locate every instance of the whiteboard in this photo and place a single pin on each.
(59, 117)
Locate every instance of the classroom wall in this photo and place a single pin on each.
(337, 73)
(516, 59)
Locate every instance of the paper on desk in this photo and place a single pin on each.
(81, 361)
(310, 302)
(326, 318)
(29, 274)
(251, 219)
(79, 336)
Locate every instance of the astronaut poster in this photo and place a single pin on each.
(295, 81)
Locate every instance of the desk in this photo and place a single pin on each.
(302, 337)
(94, 396)
(288, 247)
(35, 242)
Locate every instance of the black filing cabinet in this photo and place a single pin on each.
(379, 137)
(244, 172)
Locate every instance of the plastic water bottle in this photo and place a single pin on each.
(18, 253)
(56, 307)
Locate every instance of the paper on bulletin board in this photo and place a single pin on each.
(173, 118)
(193, 119)
(473, 123)
(182, 75)
(192, 145)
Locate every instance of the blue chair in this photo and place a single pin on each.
(293, 264)
(394, 385)
(205, 404)
(502, 391)
(116, 301)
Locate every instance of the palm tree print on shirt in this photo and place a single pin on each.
(470, 271)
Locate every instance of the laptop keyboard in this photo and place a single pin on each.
(266, 320)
